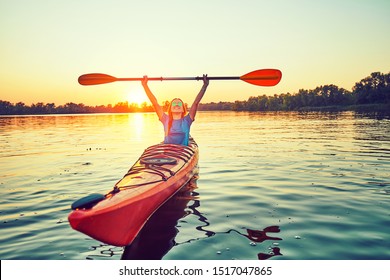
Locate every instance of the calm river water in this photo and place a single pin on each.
(270, 186)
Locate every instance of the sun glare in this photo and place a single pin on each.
(137, 96)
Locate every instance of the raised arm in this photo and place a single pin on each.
(199, 97)
(152, 98)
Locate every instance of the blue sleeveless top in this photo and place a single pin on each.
(180, 130)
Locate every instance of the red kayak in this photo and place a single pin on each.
(117, 217)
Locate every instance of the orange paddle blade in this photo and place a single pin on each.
(263, 77)
(96, 79)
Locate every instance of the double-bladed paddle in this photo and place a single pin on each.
(263, 77)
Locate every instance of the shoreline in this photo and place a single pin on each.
(364, 108)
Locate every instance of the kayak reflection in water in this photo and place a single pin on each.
(158, 235)
(177, 122)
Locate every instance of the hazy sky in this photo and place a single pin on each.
(46, 44)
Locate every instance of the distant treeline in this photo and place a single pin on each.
(7, 108)
(374, 89)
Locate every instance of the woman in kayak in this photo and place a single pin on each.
(177, 122)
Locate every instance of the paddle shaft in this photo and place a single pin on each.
(178, 78)
(196, 78)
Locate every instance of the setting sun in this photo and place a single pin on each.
(137, 96)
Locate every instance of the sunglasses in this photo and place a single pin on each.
(178, 103)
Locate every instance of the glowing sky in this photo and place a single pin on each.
(46, 45)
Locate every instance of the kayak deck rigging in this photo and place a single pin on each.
(151, 162)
